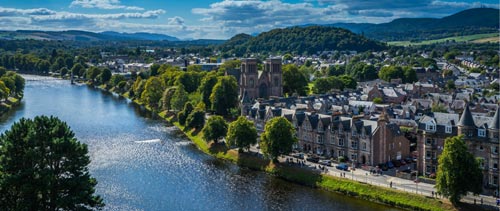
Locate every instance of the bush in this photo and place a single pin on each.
(196, 119)
(181, 116)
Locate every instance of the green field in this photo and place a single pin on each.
(491, 37)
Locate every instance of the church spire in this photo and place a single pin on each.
(495, 123)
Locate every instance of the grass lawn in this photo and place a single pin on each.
(467, 38)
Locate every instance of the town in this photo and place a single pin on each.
(405, 114)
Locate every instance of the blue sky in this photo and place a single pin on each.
(211, 18)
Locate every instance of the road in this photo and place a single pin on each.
(397, 183)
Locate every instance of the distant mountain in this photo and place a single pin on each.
(301, 40)
(141, 36)
(75, 35)
(471, 21)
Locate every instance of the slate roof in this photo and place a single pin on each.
(466, 118)
(495, 122)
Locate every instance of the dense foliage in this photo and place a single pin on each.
(458, 171)
(241, 133)
(44, 167)
(278, 137)
(472, 21)
(215, 129)
(303, 40)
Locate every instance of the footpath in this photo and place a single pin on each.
(384, 180)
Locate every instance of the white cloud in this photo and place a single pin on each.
(102, 4)
(82, 16)
(19, 12)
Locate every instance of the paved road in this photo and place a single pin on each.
(397, 183)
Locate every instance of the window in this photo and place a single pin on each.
(495, 166)
(495, 180)
(341, 142)
(481, 132)
(252, 83)
(448, 129)
(332, 140)
(363, 145)
(428, 169)
(354, 157)
(430, 127)
(428, 154)
(480, 147)
(434, 155)
(276, 82)
(354, 144)
(494, 150)
(319, 139)
(354, 133)
(320, 128)
(341, 153)
(428, 141)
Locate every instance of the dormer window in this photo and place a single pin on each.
(430, 127)
(448, 129)
(481, 132)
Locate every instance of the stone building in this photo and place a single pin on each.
(481, 134)
(260, 84)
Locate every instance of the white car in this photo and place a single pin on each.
(325, 162)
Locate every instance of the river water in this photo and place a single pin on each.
(140, 163)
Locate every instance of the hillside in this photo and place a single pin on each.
(467, 22)
(302, 40)
(74, 35)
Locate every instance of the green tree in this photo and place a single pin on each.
(214, 129)
(153, 70)
(293, 80)
(207, 84)
(105, 76)
(116, 79)
(179, 98)
(152, 93)
(450, 85)
(77, 69)
(458, 171)
(409, 75)
(224, 95)
(4, 91)
(378, 100)
(439, 108)
(195, 119)
(167, 98)
(92, 73)
(387, 73)
(278, 138)
(241, 133)
(44, 167)
(9, 83)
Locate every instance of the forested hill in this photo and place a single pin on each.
(467, 22)
(301, 40)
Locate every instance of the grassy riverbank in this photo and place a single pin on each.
(10, 103)
(308, 177)
(314, 179)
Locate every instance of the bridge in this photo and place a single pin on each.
(42, 79)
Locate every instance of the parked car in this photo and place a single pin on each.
(342, 166)
(383, 166)
(313, 159)
(390, 164)
(396, 163)
(325, 162)
(298, 155)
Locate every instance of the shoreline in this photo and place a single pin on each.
(306, 177)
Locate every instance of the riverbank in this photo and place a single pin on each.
(307, 177)
(9, 104)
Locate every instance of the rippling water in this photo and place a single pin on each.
(141, 164)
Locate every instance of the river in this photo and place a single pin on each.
(140, 163)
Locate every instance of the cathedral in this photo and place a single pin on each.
(260, 84)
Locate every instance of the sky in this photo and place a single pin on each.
(212, 19)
